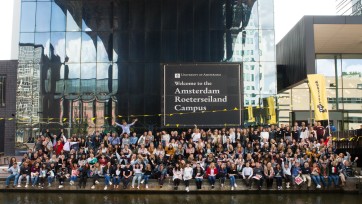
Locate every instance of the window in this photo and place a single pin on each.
(2, 90)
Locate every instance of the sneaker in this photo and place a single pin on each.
(71, 183)
(222, 185)
(318, 186)
(19, 186)
(138, 187)
(93, 187)
(235, 185)
(187, 189)
(61, 186)
(49, 185)
(146, 186)
(105, 188)
(26, 185)
(110, 183)
(232, 188)
(132, 186)
(142, 181)
(97, 182)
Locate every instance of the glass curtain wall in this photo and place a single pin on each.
(84, 64)
(343, 74)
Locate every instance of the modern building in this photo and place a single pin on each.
(87, 63)
(349, 7)
(328, 45)
(7, 105)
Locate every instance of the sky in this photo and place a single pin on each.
(287, 14)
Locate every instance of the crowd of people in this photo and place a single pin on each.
(299, 155)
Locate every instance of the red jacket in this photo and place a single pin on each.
(208, 171)
(58, 148)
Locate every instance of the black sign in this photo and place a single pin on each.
(201, 94)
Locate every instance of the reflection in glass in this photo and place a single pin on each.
(72, 23)
(352, 71)
(28, 17)
(58, 18)
(73, 46)
(43, 39)
(102, 55)
(267, 47)
(27, 38)
(266, 14)
(268, 78)
(58, 43)
(88, 51)
(43, 11)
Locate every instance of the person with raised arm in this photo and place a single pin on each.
(126, 127)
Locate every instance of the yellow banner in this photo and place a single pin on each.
(317, 86)
(272, 116)
(251, 118)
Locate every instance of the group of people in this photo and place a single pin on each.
(299, 155)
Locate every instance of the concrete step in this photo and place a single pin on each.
(351, 186)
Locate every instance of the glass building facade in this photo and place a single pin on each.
(87, 63)
(349, 7)
(343, 74)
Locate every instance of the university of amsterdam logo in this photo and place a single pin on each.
(177, 75)
(321, 108)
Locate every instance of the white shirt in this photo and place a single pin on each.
(247, 171)
(196, 137)
(188, 173)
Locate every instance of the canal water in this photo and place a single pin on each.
(83, 198)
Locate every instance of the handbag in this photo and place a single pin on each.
(298, 180)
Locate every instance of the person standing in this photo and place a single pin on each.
(126, 128)
(320, 131)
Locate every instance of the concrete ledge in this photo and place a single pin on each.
(351, 186)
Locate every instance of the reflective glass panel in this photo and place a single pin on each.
(58, 18)
(266, 46)
(58, 43)
(28, 16)
(74, 20)
(43, 39)
(73, 46)
(89, 52)
(352, 71)
(266, 14)
(43, 13)
(27, 38)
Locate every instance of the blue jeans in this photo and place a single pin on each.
(323, 180)
(137, 176)
(50, 179)
(116, 180)
(316, 179)
(146, 178)
(12, 176)
(212, 180)
(107, 179)
(34, 180)
(73, 178)
(335, 179)
(27, 179)
(232, 181)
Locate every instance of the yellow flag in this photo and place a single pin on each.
(251, 118)
(317, 86)
(272, 116)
